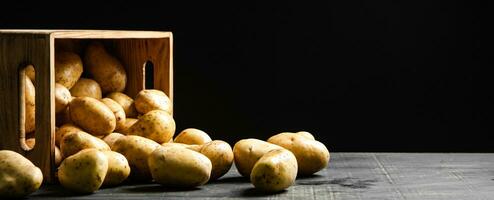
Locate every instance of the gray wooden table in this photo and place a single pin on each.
(349, 176)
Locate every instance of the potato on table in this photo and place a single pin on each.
(85, 87)
(192, 136)
(151, 99)
(83, 172)
(275, 171)
(105, 68)
(221, 155)
(118, 168)
(92, 115)
(68, 68)
(19, 177)
(157, 125)
(179, 167)
(248, 151)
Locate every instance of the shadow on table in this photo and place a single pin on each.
(56, 191)
(230, 180)
(155, 188)
(253, 192)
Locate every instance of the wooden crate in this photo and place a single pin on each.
(19, 48)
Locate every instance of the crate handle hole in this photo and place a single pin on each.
(26, 79)
(149, 75)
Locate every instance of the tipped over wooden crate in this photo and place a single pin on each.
(137, 50)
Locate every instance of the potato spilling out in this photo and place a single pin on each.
(118, 168)
(192, 136)
(68, 68)
(83, 172)
(19, 177)
(63, 130)
(117, 110)
(157, 125)
(111, 138)
(312, 156)
(74, 142)
(275, 171)
(86, 88)
(248, 151)
(126, 102)
(179, 167)
(92, 115)
(105, 69)
(137, 150)
(148, 100)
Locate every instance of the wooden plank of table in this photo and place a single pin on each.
(349, 176)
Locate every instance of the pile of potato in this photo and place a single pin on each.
(104, 137)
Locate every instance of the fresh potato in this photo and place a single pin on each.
(92, 115)
(275, 171)
(248, 151)
(76, 141)
(118, 168)
(58, 156)
(221, 155)
(306, 135)
(151, 99)
(136, 149)
(111, 138)
(105, 69)
(312, 156)
(19, 177)
(62, 97)
(117, 110)
(63, 130)
(128, 123)
(63, 117)
(157, 125)
(30, 106)
(179, 167)
(192, 136)
(31, 73)
(126, 102)
(86, 88)
(68, 68)
(84, 171)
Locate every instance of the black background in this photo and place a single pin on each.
(360, 75)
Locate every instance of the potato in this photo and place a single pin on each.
(63, 130)
(19, 177)
(117, 110)
(126, 102)
(275, 171)
(68, 68)
(136, 149)
(118, 168)
(306, 135)
(62, 98)
(31, 73)
(192, 136)
(111, 138)
(30, 106)
(221, 155)
(92, 115)
(248, 151)
(157, 125)
(58, 156)
(150, 99)
(179, 167)
(86, 88)
(128, 123)
(76, 141)
(63, 117)
(105, 69)
(84, 171)
(312, 156)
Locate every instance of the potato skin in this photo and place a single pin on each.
(63, 130)
(77, 141)
(30, 105)
(86, 88)
(92, 115)
(118, 168)
(58, 156)
(68, 68)
(129, 122)
(192, 136)
(19, 177)
(306, 135)
(157, 125)
(126, 102)
(117, 110)
(221, 155)
(179, 167)
(248, 151)
(312, 155)
(137, 150)
(275, 171)
(105, 69)
(150, 99)
(62, 97)
(31, 73)
(111, 138)
(84, 171)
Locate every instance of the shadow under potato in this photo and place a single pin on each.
(253, 192)
(148, 188)
(228, 180)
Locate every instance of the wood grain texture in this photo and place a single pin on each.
(350, 176)
(16, 51)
